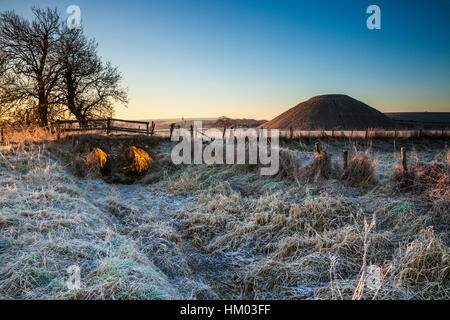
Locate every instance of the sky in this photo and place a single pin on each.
(256, 59)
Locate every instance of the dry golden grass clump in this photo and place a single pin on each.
(93, 163)
(102, 157)
(360, 172)
(290, 166)
(134, 161)
(128, 156)
(435, 178)
(320, 168)
(425, 264)
(431, 179)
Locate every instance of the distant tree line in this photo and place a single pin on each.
(49, 72)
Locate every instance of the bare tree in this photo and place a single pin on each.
(30, 48)
(10, 98)
(46, 69)
(87, 87)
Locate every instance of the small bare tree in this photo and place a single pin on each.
(88, 87)
(30, 48)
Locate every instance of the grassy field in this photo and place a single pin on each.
(314, 231)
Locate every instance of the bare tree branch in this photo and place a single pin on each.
(88, 87)
(32, 60)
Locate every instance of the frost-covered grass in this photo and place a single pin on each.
(315, 231)
(321, 235)
(50, 220)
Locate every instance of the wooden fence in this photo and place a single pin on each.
(107, 125)
(348, 134)
(363, 134)
(351, 134)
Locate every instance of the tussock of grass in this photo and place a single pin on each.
(290, 166)
(94, 163)
(134, 161)
(429, 179)
(320, 168)
(360, 172)
(425, 263)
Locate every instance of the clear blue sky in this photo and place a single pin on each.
(239, 58)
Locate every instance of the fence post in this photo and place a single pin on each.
(108, 126)
(291, 133)
(345, 154)
(148, 129)
(172, 125)
(235, 137)
(367, 133)
(232, 137)
(317, 147)
(58, 130)
(404, 168)
(420, 133)
(153, 128)
(191, 129)
(332, 133)
(224, 131)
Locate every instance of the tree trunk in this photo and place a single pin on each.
(81, 119)
(43, 101)
(70, 96)
(42, 108)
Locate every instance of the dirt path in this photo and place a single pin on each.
(148, 216)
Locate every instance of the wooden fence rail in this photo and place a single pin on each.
(363, 134)
(106, 124)
(110, 125)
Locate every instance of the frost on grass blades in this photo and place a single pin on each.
(242, 146)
